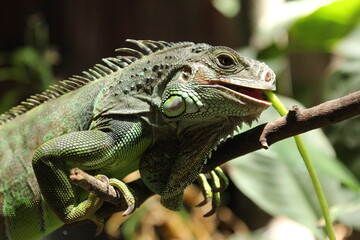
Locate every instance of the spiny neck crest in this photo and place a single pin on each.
(110, 65)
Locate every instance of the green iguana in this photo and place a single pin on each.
(159, 107)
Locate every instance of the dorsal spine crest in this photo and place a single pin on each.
(111, 65)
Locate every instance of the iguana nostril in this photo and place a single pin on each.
(268, 76)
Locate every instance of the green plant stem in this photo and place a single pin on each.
(308, 163)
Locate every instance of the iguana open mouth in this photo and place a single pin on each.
(252, 93)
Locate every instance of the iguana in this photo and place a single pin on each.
(158, 107)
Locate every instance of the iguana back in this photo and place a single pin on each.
(63, 108)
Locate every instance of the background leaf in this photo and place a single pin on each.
(278, 182)
(327, 25)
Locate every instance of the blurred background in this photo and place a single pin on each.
(312, 45)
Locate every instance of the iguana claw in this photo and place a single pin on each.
(206, 189)
(130, 209)
(103, 178)
(219, 182)
(127, 194)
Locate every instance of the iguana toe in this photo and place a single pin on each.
(206, 189)
(218, 183)
(127, 194)
(215, 203)
(218, 175)
(129, 210)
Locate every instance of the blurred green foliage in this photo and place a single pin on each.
(320, 60)
(27, 69)
(325, 27)
(344, 79)
(277, 180)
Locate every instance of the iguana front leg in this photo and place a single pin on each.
(109, 150)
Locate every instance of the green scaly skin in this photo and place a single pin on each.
(161, 109)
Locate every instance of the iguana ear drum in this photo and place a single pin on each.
(174, 106)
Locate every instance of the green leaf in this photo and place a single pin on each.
(278, 182)
(323, 28)
(272, 184)
(348, 212)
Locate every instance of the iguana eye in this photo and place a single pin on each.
(225, 61)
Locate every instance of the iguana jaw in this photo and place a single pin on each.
(239, 91)
(247, 86)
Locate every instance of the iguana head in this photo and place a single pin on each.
(209, 94)
(217, 82)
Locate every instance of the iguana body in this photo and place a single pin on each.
(162, 110)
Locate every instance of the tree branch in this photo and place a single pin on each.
(108, 193)
(296, 122)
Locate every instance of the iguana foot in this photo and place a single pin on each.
(219, 182)
(88, 207)
(99, 221)
(86, 210)
(127, 194)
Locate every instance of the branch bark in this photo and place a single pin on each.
(296, 122)
(108, 193)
